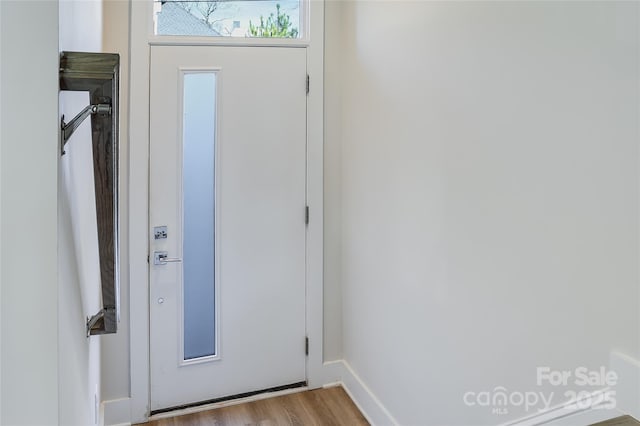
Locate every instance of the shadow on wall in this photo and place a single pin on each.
(79, 278)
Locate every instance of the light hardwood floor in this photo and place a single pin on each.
(619, 421)
(331, 406)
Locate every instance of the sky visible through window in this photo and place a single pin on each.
(224, 18)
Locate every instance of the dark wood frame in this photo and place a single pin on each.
(98, 73)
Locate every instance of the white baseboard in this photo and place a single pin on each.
(584, 418)
(590, 409)
(585, 411)
(117, 412)
(628, 386)
(366, 401)
(572, 413)
(332, 372)
(627, 395)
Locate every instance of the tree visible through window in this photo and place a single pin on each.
(228, 18)
(278, 26)
(203, 9)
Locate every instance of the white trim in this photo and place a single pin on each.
(180, 216)
(304, 21)
(587, 417)
(116, 412)
(332, 373)
(139, 50)
(596, 401)
(340, 373)
(628, 385)
(315, 194)
(141, 26)
(587, 410)
(367, 402)
(226, 41)
(593, 408)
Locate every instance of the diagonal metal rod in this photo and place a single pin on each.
(69, 128)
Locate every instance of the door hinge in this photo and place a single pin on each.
(307, 84)
(147, 258)
(306, 346)
(306, 215)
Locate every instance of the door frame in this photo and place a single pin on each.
(141, 39)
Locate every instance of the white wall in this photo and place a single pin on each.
(468, 147)
(489, 197)
(28, 198)
(79, 273)
(1, 116)
(115, 347)
(332, 177)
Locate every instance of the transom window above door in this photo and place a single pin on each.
(229, 18)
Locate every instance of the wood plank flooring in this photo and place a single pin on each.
(619, 421)
(322, 407)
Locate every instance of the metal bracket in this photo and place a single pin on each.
(95, 324)
(93, 321)
(69, 128)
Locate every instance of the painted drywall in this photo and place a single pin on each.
(28, 199)
(332, 177)
(1, 59)
(115, 347)
(79, 273)
(489, 198)
(627, 386)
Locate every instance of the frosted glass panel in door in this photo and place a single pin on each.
(198, 186)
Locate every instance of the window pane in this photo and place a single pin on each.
(199, 214)
(228, 18)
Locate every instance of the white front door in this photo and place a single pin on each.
(227, 211)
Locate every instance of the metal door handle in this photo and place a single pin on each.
(162, 258)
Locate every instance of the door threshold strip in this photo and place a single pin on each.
(240, 398)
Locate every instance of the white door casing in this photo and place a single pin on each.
(136, 155)
(260, 230)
